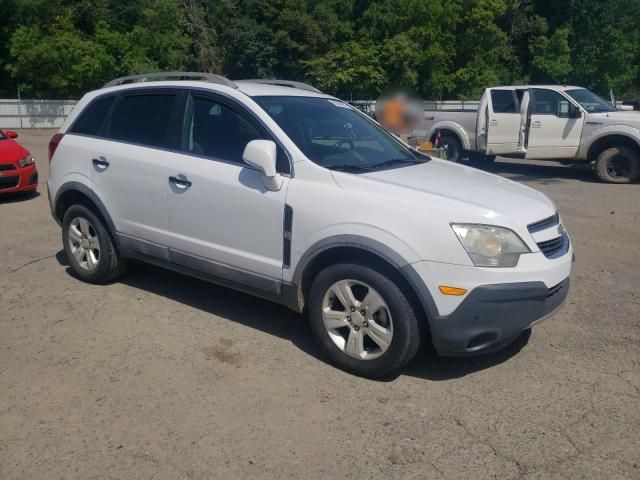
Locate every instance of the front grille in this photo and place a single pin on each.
(554, 247)
(9, 182)
(7, 166)
(544, 224)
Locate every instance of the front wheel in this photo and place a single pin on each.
(362, 320)
(618, 165)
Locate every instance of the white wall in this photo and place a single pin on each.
(34, 113)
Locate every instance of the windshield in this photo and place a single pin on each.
(2, 137)
(332, 134)
(591, 102)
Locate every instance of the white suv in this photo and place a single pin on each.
(278, 190)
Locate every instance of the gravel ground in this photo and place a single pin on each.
(163, 376)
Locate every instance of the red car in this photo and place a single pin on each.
(18, 172)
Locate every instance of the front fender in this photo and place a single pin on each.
(383, 244)
(379, 248)
(624, 130)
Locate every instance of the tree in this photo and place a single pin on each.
(551, 56)
(352, 71)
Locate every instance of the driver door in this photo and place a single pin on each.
(555, 125)
(222, 218)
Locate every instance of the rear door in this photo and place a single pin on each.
(503, 121)
(129, 164)
(555, 125)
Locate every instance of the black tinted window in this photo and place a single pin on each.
(503, 101)
(142, 119)
(548, 102)
(92, 117)
(217, 131)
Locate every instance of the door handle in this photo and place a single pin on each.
(536, 124)
(494, 123)
(100, 162)
(180, 182)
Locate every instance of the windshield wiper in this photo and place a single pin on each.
(349, 168)
(396, 162)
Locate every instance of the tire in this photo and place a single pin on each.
(618, 165)
(395, 324)
(454, 147)
(89, 247)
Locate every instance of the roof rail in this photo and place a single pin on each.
(285, 83)
(146, 77)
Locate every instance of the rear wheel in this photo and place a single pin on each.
(454, 147)
(89, 247)
(362, 321)
(618, 165)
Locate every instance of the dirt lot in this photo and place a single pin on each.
(163, 376)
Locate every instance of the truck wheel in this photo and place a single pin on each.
(454, 147)
(362, 321)
(618, 165)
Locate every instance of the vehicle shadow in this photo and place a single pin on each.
(279, 321)
(18, 197)
(547, 173)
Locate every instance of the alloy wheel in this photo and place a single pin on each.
(84, 243)
(357, 319)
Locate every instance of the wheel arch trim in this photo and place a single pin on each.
(454, 128)
(630, 133)
(91, 195)
(378, 249)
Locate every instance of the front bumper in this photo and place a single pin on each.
(492, 315)
(19, 180)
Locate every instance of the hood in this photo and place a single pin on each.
(628, 118)
(455, 192)
(11, 151)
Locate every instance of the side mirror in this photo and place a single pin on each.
(261, 154)
(574, 112)
(11, 133)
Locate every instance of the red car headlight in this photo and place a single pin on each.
(28, 160)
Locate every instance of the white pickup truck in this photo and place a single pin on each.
(543, 122)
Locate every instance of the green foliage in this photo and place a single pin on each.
(551, 56)
(351, 48)
(352, 71)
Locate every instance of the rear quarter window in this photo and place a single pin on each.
(91, 119)
(142, 119)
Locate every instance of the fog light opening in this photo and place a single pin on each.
(481, 341)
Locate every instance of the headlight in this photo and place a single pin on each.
(28, 160)
(490, 246)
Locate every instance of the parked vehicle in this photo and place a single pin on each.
(292, 195)
(18, 172)
(565, 123)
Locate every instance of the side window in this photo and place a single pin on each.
(142, 118)
(90, 120)
(215, 130)
(548, 102)
(504, 101)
